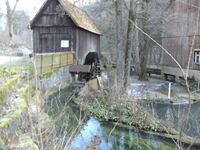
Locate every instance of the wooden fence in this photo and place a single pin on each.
(47, 62)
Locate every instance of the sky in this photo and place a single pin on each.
(30, 6)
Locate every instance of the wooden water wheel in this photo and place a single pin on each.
(92, 60)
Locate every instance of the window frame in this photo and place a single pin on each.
(197, 54)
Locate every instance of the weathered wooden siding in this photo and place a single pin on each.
(175, 34)
(176, 25)
(178, 47)
(51, 16)
(179, 32)
(196, 45)
(155, 58)
(52, 26)
(87, 42)
(47, 40)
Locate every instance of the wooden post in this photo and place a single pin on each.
(51, 62)
(41, 64)
(60, 60)
(67, 58)
(169, 90)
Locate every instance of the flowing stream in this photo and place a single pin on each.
(176, 115)
(109, 136)
(112, 137)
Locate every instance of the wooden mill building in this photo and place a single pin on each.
(63, 35)
(180, 35)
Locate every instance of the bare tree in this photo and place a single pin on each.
(151, 18)
(142, 7)
(10, 16)
(148, 15)
(119, 44)
(129, 44)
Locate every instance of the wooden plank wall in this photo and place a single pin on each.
(155, 58)
(178, 47)
(50, 28)
(51, 16)
(195, 46)
(49, 39)
(179, 32)
(86, 42)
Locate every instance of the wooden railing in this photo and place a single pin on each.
(46, 62)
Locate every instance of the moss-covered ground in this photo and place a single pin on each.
(15, 90)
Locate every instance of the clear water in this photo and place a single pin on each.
(116, 137)
(112, 137)
(176, 114)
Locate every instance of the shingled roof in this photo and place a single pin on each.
(79, 17)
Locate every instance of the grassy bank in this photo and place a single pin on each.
(7, 87)
(4, 122)
(6, 71)
(126, 113)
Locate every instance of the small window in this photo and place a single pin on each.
(197, 56)
(64, 43)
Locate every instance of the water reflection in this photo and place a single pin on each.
(119, 138)
(112, 137)
(176, 115)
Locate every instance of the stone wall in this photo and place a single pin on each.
(58, 79)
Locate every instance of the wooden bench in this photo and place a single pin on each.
(79, 68)
(169, 77)
(153, 71)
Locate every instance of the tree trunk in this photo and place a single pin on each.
(9, 24)
(129, 45)
(9, 19)
(136, 55)
(119, 44)
(9, 15)
(143, 47)
(140, 56)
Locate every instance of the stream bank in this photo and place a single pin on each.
(103, 135)
(101, 129)
(130, 114)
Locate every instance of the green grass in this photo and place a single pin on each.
(6, 71)
(1, 141)
(26, 92)
(126, 113)
(7, 87)
(28, 142)
(4, 123)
